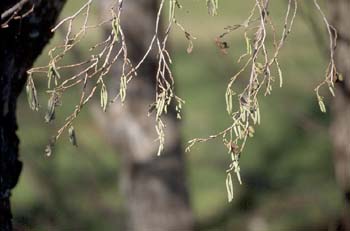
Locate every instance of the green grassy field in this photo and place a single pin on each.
(287, 168)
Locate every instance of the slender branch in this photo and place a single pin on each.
(17, 7)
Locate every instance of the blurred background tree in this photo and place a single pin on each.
(287, 169)
(154, 187)
(340, 126)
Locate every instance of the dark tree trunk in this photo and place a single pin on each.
(20, 44)
(154, 187)
(340, 127)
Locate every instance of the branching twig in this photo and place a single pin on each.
(260, 63)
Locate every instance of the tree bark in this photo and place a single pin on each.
(21, 43)
(340, 127)
(154, 187)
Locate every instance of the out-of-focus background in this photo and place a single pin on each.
(287, 168)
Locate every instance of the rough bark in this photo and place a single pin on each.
(340, 127)
(154, 187)
(21, 43)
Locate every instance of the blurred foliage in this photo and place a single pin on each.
(288, 180)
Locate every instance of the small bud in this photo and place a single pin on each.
(72, 136)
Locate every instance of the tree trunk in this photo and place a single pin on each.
(340, 127)
(154, 187)
(21, 43)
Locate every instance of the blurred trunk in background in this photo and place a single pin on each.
(22, 40)
(155, 191)
(340, 127)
